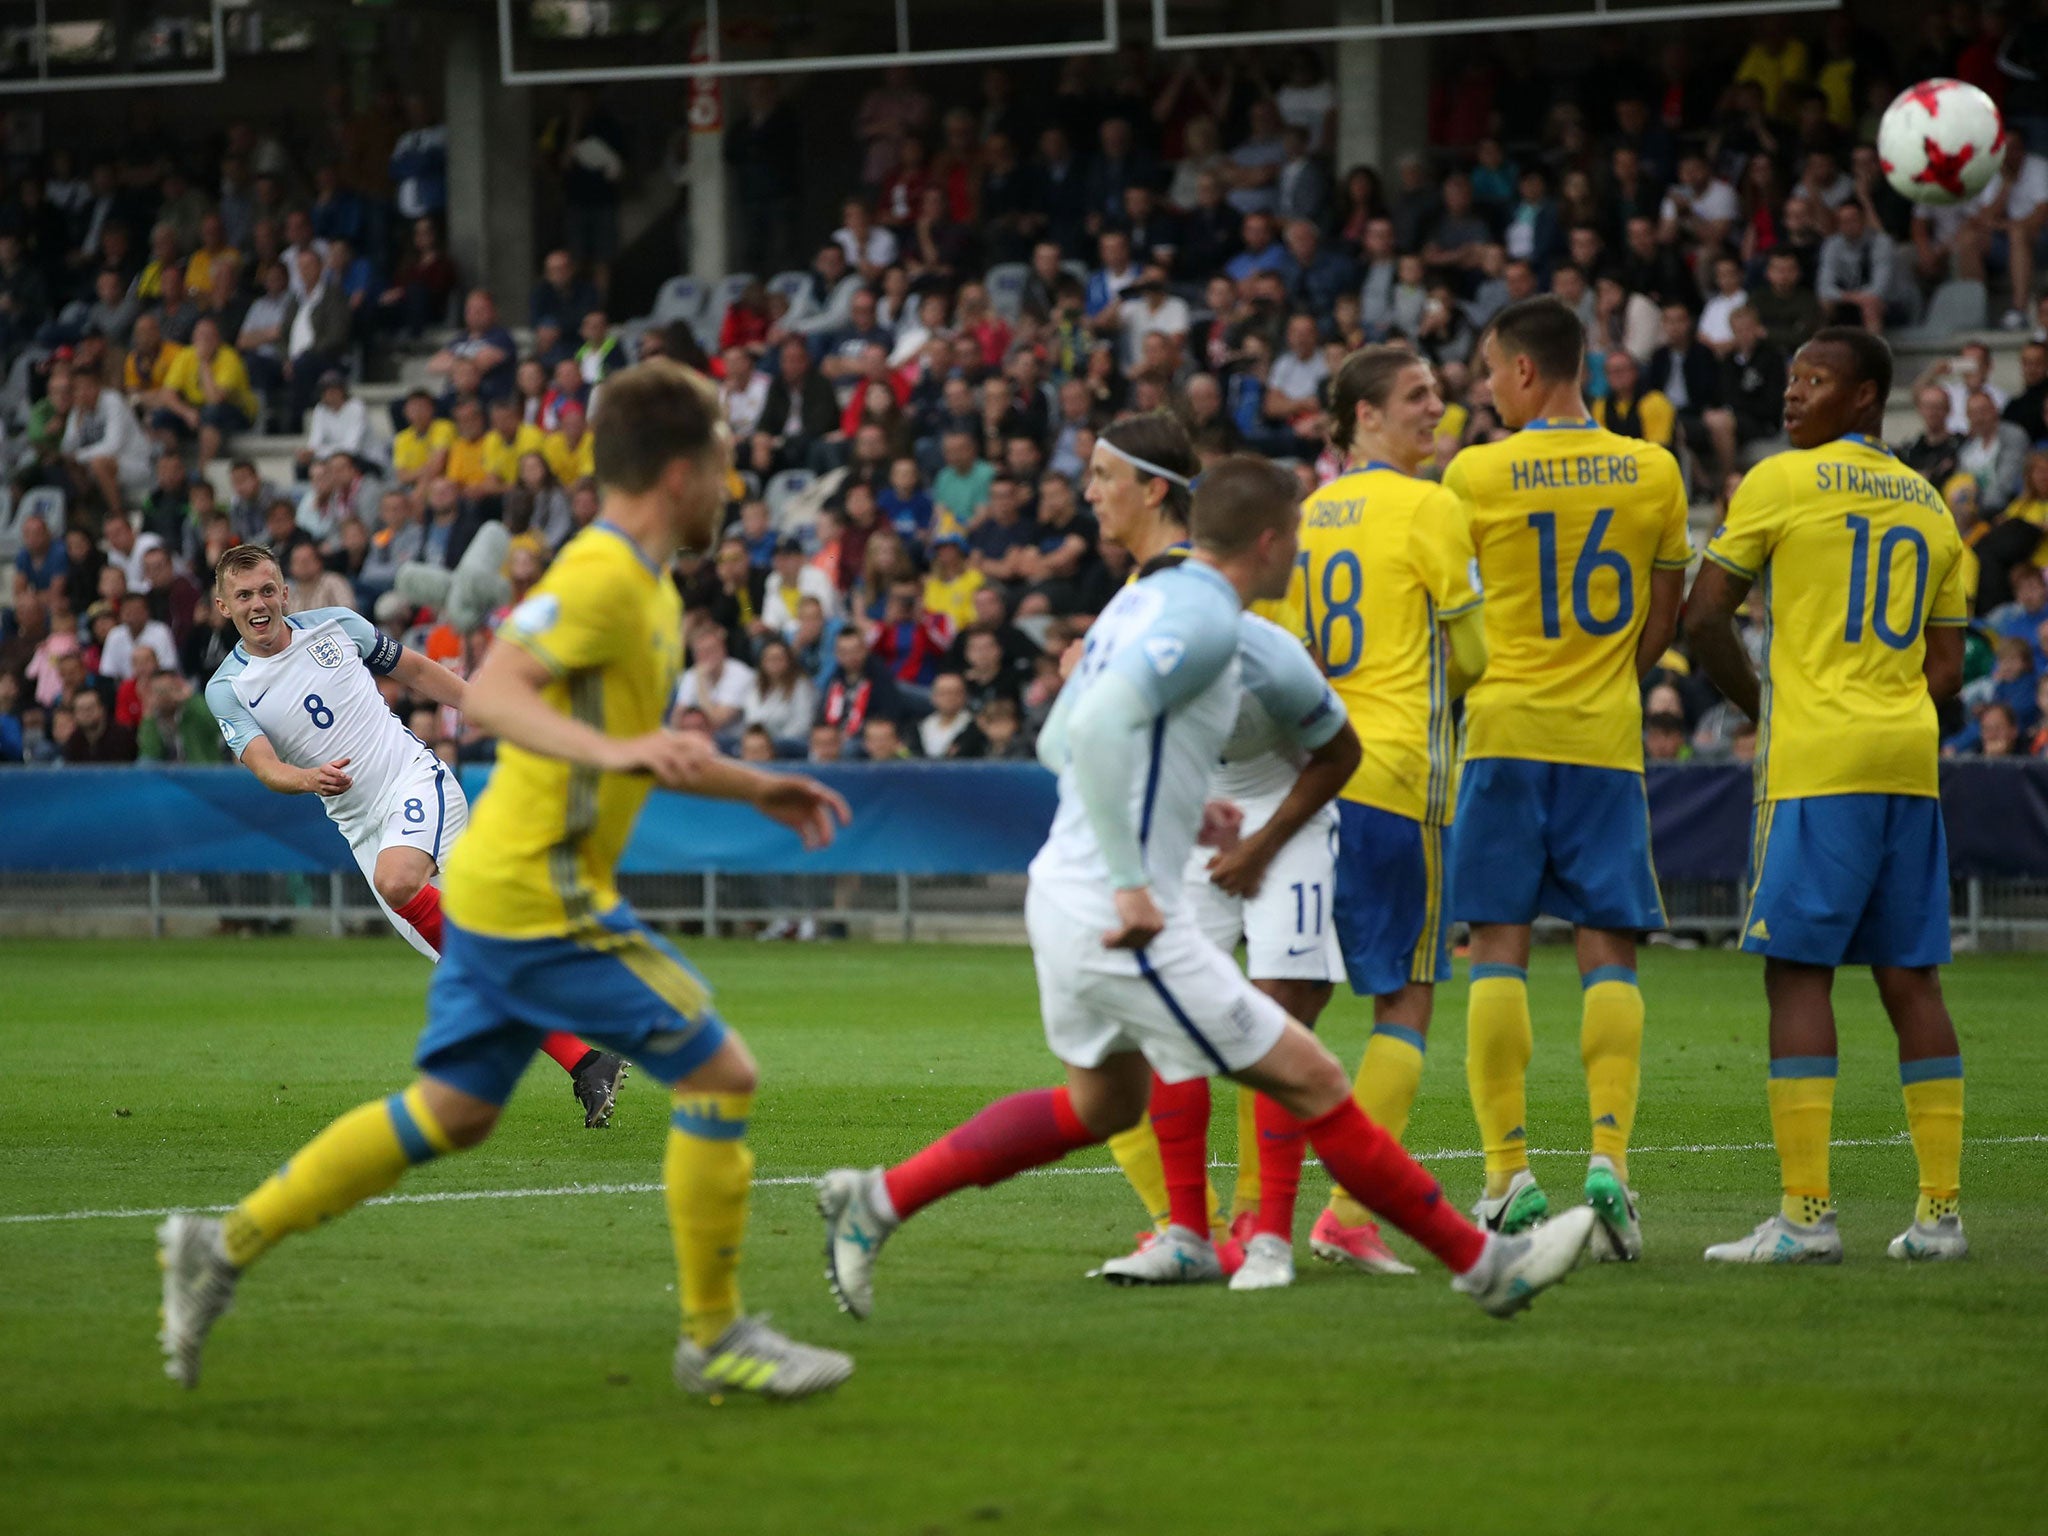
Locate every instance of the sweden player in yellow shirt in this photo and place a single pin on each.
(1388, 605)
(537, 935)
(1580, 537)
(1864, 611)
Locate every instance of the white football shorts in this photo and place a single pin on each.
(1288, 931)
(425, 809)
(1181, 1001)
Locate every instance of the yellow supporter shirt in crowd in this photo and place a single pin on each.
(541, 855)
(411, 450)
(1857, 555)
(955, 598)
(199, 269)
(1653, 413)
(502, 458)
(570, 464)
(230, 377)
(467, 464)
(1568, 520)
(134, 380)
(1387, 558)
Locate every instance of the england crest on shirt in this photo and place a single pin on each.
(329, 652)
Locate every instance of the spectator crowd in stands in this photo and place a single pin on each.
(910, 546)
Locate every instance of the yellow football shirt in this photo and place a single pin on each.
(410, 450)
(1857, 555)
(1385, 559)
(1567, 521)
(466, 461)
(1659, 420)
(501, 458)
(230, 377)
(541, 854)
(570, 464)
(955, 598)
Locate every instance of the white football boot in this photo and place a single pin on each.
(1268, 1264)
(1781, 1240)
(199, 1285)
(1175, 1257)
(1512, 1271)
(1943, 1239)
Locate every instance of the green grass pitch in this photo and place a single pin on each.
(501, 1365)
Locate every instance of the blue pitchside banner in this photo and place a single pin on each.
(909, 818)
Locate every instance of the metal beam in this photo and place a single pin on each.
(718, 67)
(45, 83)
(1164, 38)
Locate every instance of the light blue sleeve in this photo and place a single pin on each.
(237, 725)
(1184, 648)
(1185, 644)
(379, 651)
(1278, 672)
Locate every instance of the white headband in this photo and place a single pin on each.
(1145, 464)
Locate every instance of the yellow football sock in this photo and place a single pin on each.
(1137, 1152)
(1611, 1046)
(708, 1172)
(1802, 1113)
(1498, 1045)
(1934, 1114)
(358, 1156)
(1246, 1196)
(1388, 1079)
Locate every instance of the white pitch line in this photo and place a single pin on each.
(786, 1181)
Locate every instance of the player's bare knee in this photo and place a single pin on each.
(465, 1119)
(397, 888)
(731, 1069)
(1908, 993)
(1323, 1086)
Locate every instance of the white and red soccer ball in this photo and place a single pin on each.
(1941, 141)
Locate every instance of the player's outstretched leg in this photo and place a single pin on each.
(1502, 1273)
(360, 1155)
(1023, 1131)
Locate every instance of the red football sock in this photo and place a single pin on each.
(1180, 1119)
(1026, 1130)
(1280, 1146)
(424, 913)
(1373, 1170)
(565, 1050)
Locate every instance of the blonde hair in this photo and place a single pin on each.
(243, 557)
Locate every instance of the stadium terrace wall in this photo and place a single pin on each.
(919, 819)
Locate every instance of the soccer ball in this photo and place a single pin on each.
(1941, 141)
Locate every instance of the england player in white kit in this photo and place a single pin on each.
(1128, 985)
(1283, 718)
(297, 701)
(1273, 886)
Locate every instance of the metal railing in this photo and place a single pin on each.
(1985, 914)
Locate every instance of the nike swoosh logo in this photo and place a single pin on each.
(1298, 953)
(259, 698)
(414, 831)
